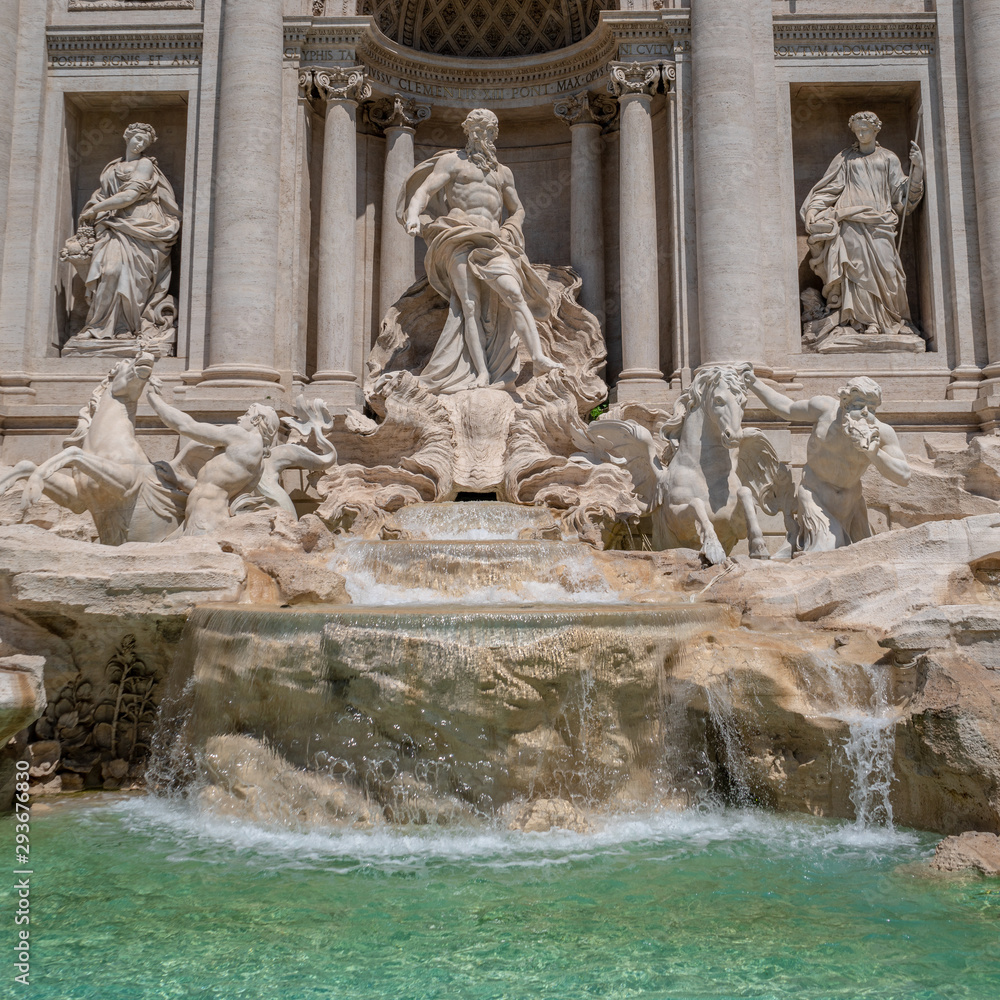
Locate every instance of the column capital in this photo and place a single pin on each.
(336, 83)
(634, 78)
(586, 109)
(397, 112)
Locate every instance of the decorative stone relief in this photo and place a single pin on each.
(397, 112)
(634, 78)
(121, 251)
(853, 217)
(487, 29)
(846, 440)
(131, 4)
(578, 109)
(336, 84)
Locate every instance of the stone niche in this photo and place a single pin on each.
(536, 145)
(95, 123)
(819, 131)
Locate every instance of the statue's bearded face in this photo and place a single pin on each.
(858, 417)
(480, 144)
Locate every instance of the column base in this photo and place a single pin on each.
(640, 385)
(338, 391)
(965, 382)
(246, 376)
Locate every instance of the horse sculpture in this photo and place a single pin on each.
(103, 469)
(703, 481)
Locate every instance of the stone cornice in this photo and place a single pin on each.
(131, 5)
(98, 48)
(854, 36)
(393, 68)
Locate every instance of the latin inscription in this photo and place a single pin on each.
(859, 50)
(126, 60)
(457, 92)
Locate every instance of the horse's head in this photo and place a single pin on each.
(721, 392)
(128, 378)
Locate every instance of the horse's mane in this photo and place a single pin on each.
(86, 416)
(705, 382)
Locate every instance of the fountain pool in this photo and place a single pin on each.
(700, 904)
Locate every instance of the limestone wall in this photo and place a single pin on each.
(81, 70)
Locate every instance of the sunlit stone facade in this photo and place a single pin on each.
(662, 149)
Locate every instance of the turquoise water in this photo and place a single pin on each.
(141, 898)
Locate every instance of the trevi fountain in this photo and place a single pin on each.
(500, 498)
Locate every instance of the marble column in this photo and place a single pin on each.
(982, 41)
(634, 84)
(337, 363)
(587, 115)
(726, 182)
(246, 198)
(8, 66)
(398, 119)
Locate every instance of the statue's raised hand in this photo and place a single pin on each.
(916, 157)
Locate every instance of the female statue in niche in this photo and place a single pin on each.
(122, 252)
(852, 216)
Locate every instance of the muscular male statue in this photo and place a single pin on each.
(235, 465)
(475, 260)
(846, 439)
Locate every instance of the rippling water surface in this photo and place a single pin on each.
(142, 898)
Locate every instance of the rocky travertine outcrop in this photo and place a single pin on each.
(968, 851)
(758, 703)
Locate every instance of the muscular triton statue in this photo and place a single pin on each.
(846, 438)
(475, 260)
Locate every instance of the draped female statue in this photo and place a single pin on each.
(122, 252)
(851, 217)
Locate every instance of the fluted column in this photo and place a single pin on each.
(398, 119)
(726, 180)
(8, 75)
(635, 84)
(586, 116)
(337, 363)
(246, 197)
(982, 41)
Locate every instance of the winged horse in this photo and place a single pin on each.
(704, 478)
(103, 469)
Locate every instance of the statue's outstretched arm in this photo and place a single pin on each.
(782, 405)
(179, 421)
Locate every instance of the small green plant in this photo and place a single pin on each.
(598, 410)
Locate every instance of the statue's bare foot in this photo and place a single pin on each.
(544, 364)
(872, 329)
(482, 381)
(84, 335)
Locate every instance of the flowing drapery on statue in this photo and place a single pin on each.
(852, 218)
(476, 262)
(135, 223)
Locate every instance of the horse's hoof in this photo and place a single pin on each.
(759, 552)
(714, 553)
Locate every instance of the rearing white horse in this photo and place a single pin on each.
(103, 469)
(717, 472)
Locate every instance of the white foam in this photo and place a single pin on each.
(195, 835)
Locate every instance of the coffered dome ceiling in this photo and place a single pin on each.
(486, 28)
